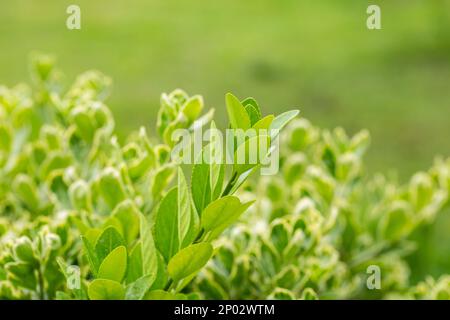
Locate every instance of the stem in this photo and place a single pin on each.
(168, 285)
(199, 236)
(230, 185)
(40, 284)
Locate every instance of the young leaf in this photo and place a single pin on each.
(137, 289)
(103, 289)
(166, 225)
(264, 123)
(134, 269)
(251, 153)
(253, 114)
(221, 213)
(128, 215)
(281, 121)
(114, 265)
(93, 234)
(216, 167)
(107, 242)
(111, 187)
(162, 178)
(194, 227)
(200, 186)
(184, 206)
(252, 102)
(161, 275)
(159, 295)
(239, 118)
(148, 250)
(189, 260)
(91, 255)
(242, 178)
(193, 107)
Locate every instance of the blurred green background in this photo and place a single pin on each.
(315, 55)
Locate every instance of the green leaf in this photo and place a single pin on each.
(26, 190)
(203, 120)
(252, 102)
(264, 123)
(205, 175)
(309, 294)
(239, 118)
(134, 269)
(128, 215)
(184, 206)
(159, 295)
(93, 234)
(166, 225)
(148, 249)
(253, 113)
(216, 168)
(21, 274)
(107, 242)
(162, 179)
(138, 289)
(114, 265)
(79, 194)
(200, 186)
(104, 289)
(251, 153)
(93, 260)
(221, 213)
(242, 178)
(281, 121)
(161, 276)
(193, 107)
(397, 221)
(111, 187)
(194, 227)
(23, 250)
(189, 260)
(281, 294)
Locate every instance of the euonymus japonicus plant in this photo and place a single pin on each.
(86, 216)
(322, 223)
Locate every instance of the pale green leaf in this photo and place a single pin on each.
(281, 121)
(166, 225)
(264, 123)
(104, 289)
(107, 242)
(239, 118)
(114, 266)
(184, 206)
(193, 107)
(148, 250)
(189, 260)
(221, 213)
(137, 289)
(92, 258)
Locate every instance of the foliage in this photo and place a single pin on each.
(85, 215)
(320, 224)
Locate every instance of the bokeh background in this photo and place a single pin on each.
(315, 55)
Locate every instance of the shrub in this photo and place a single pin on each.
(86, 216)
(322, 222)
